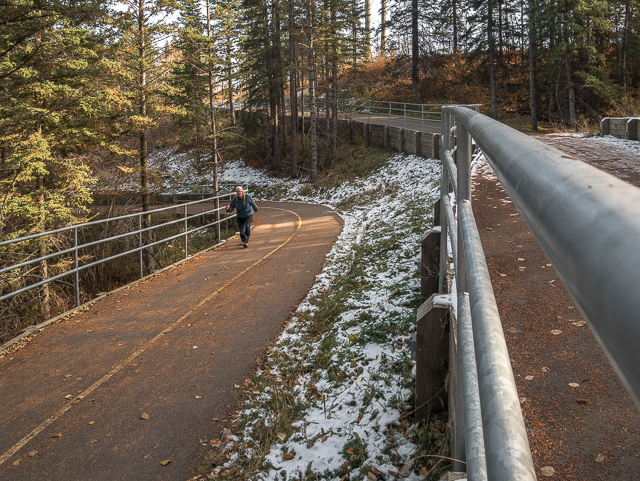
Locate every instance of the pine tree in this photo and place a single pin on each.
(144, 28)
(53, 97)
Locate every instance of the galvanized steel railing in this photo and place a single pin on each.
(391, 110)
(588, 224)
(374, 109)
(75, 269)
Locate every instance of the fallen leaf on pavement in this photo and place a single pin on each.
(574, 384)
(547, 471)
(165, 462)
(91, 422)
(17, 461)
(32, 453)
(144, 416)
(502, 275)
(198, 397)
(600, 458)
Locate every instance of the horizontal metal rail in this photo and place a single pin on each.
(588, 223)
(104, 221)
(182, 210)
(495, 438)
(389, 109)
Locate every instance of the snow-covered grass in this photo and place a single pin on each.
(334, 397)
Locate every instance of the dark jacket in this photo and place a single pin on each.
(243, 205)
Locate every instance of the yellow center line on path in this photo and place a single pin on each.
(120, 366)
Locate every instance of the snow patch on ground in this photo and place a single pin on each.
(385, 216)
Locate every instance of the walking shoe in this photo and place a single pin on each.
(245, 245)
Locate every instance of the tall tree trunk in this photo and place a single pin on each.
(44, 268)
(454, 5)
(293, 92)
(367, 29)
(570, 88)
(302, 101)
(144, 147)
(212, 115)
(415, 53)
(280, 82)
(312, 101)
(273, 84)
(557, 97)
(383, 27)
(232, 112)
(327, 103)
(500, 39)
(195, 113)
(532, 91)
(625, 42)
(354, 33)
(334, 83)
(492, 74)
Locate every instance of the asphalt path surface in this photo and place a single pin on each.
(174, 349)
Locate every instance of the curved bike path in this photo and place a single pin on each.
(175, 348)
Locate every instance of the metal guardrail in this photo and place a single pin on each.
(375, 109)
(391, 110)
(588, 224)
(142, 246)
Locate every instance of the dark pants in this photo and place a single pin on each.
(244, 226)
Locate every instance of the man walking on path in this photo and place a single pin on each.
(246, 207)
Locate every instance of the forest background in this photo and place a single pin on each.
(90, 89)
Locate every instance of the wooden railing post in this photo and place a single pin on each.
(432, 360)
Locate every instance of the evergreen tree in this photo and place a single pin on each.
(144, 29)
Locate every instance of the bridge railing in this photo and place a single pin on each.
(351, 107)
(588, 224)
(14, 281)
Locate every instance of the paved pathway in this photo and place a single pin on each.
(176, 347)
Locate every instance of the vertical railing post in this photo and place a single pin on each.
(140, 245)
(389, 117)
(444, 191)
(463, 142)
(404, 119)
(422, 118)
(186, 235)
(76, 283)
